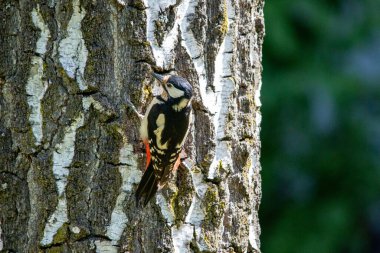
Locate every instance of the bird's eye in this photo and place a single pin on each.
(169, 85)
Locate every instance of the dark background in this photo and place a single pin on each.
(321, 127)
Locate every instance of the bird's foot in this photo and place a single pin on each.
(134, 110)
(186, 161)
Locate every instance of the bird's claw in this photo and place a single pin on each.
(133, 108)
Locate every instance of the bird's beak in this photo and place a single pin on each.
(158, 77)
(161, 78)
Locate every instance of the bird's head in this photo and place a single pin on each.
(174, 87)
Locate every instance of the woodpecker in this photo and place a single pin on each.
(163, 130)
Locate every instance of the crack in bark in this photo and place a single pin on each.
(89, 92)
(245, 138)
(11, 174)
(53, 245)
(145, 61)
(117, 164)
(94, 237)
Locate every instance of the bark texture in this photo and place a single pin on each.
(70, 155)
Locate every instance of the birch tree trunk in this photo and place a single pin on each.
(70, 154)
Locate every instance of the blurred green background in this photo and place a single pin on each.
(321, 127)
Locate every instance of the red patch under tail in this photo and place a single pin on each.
(147, 150)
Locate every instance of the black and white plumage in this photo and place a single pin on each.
(163, 130)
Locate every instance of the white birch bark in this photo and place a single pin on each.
(70, 156)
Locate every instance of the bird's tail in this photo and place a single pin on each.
(148, 186)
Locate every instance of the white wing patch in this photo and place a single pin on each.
(187, 132)
(160, 121)
(144, 122)
(158, 132)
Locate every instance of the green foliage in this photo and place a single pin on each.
(321, 127)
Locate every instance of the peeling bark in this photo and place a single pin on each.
(70, 155)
